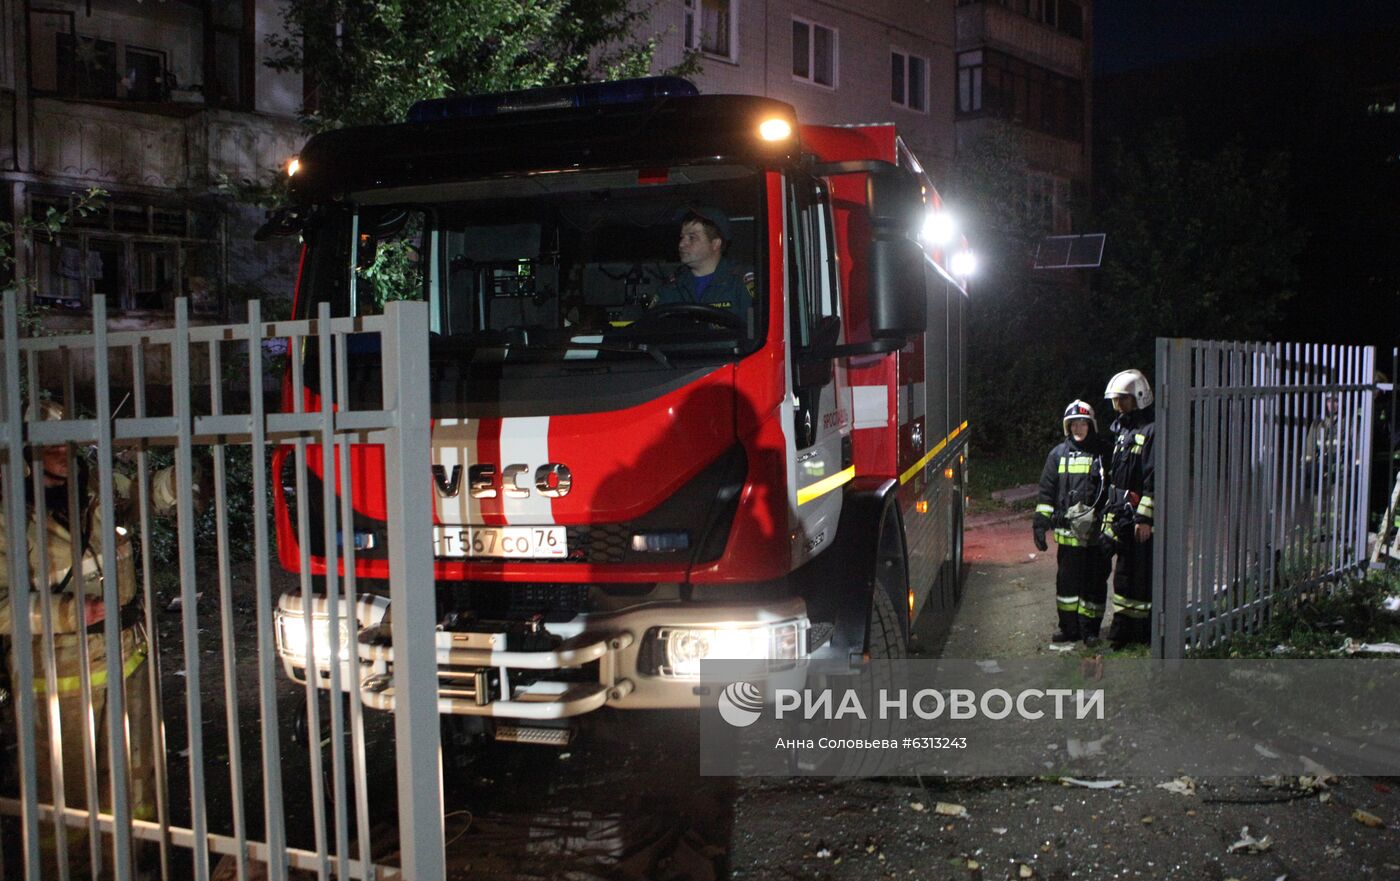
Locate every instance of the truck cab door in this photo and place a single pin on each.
(821, 425)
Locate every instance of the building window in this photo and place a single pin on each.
(131, 60)
(87, 66)
(1048, 202)
(145, 78)
(909, 80)
(229, 61)
(1000, 85)
(141, 256)
(710, 27)
(814, 53)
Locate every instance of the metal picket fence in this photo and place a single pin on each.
(1262, 473)
(253, 816)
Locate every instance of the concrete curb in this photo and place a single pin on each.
(983, 520)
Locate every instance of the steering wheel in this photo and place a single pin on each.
(699, 311)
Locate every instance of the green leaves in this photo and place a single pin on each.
(51, 224)
(1197, 245)
(367, 61)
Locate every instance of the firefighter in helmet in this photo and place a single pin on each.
(1128, 519)
(76, 623)
(1073, 489)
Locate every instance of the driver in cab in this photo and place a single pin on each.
(706, 276)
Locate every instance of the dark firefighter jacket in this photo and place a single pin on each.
(1130, 473)
(1074, 474)
(728, 289)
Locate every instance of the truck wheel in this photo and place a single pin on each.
(885, 638)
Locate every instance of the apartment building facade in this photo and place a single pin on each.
(156, 103)
(942, 70)
(877, 61)
(1028, 62)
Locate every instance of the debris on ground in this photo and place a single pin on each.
(177, 602)
(1091, 784)
(1181, 786)
(917, 807)
(1366, 818)
(1081, 749)
(1249, 844)
(1317, 771)
(1351, 647)
(948, 809)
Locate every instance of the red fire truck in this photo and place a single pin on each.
(626, 481)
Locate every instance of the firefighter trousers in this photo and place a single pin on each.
(73, 745)
(1132, 591)
(1081, 589)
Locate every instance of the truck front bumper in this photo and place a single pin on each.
(644, 657)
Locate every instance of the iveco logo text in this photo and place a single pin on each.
(552, 480)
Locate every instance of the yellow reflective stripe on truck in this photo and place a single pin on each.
(825, 485)
(918, 466)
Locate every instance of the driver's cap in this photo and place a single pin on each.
(707, 212)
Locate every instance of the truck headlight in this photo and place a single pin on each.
(291, 636)
(683, 648)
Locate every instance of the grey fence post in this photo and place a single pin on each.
(411, 593)
(23, 643)
(1170, 498)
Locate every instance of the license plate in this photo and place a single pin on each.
(532, 542)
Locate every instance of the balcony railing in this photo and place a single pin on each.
(164, 146)
(981, 24)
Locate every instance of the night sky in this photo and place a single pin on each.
(1137, 33)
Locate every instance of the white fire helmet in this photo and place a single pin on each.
(1079, 410)
(1130, 382)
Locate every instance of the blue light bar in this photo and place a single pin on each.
(551, 97)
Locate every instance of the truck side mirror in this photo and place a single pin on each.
(898, 306)
(285, 221)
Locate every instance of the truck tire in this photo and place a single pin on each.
(886, 634)
(886, 639)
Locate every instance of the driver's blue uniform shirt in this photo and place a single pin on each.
(725, 288)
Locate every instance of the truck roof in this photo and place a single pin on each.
(668, 131)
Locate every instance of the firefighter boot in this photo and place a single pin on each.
(1067, 609)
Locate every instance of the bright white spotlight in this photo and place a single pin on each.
(939, 228)
(964, 264)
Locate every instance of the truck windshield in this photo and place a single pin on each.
(569, 265)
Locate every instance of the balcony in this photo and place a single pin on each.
(157, 146)
(990, 24)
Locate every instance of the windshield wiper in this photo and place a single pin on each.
(655, 353)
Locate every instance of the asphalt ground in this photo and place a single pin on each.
(626, 801)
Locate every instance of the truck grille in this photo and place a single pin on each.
(605, 543)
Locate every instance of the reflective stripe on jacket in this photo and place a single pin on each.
(1130, 472)
(1073, 474)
